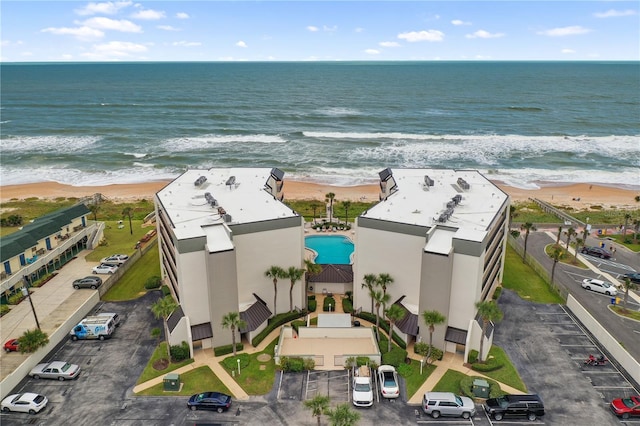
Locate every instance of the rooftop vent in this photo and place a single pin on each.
(451, 204)
(457, 198)
(428, 181)
(221, 211)
(444, 216)
(463, 184)
(231, 181)
(212, 201)
(227, 218)
(200, 181)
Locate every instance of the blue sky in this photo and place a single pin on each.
(54, 31)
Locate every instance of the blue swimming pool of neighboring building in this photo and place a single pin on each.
(331, 249)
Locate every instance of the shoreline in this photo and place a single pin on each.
(579, 196)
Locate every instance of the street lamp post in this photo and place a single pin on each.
(25, 292)
(238, 366)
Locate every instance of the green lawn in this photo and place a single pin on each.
(160, 352)
(118, 240)
(450, 382)
(252, 379)
(197, 380)
(507, 374)
(625, 313)
(412, 377)
(131, 285)
(565, 257)
(522, 279)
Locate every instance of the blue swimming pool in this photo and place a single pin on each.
(331, 249)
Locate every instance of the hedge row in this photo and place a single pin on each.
(227, 349)
(312, 305)
(329, 301)
(396, 357)
(296, 364)
(367, 316)
(275, 322)
(347, 306)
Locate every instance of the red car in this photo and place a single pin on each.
(626, 407)
(11, 345)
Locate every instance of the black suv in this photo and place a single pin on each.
(597, 252)
(529, 406)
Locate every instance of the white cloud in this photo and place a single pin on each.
(330, 29)
(459, 22)
(122, 25)
(389, 44)
(428, 35)
(484, 34)
(372, 52)
(116, 49)
(149, 15)
(107, 8)
(241, 44)
(81, 33)
(611, 13)
(186, 43)
(312, 28)
(7, 43)
(182, 15)
(565, 31)
(167, 28)
(568, 51)
(27, 54)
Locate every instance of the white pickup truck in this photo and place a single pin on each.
(362, 388)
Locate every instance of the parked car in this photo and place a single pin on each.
(633, 276)
(216, 401)
(448, 404)
(597, 252)
(362, 395)
(59, 370)
(626, 407)
(600, 286)
(27, 402)
(105, 269)
(388, 379)
(88, 282)
(529, 406)
(11, 345)
(116, 259)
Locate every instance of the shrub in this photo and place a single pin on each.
(4, 309)
(179, 352)
(297, 324)
(153, 282)
(275, 322)
(165, 290)
(294, 364)
(473, 356)
(14, 299)
(312, 305)
(311, 297)
(309, 364)
(422, 348)
(231, 362)
(227, 349)
(347, 306)
(396, 357)
(362, 360)
(349, 295)
(490, 364)
(329, 301)
(497, 293)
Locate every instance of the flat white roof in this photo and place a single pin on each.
(245, 201)
(415, 203)
(334, 320)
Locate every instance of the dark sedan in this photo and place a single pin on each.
(633, 276)
(88, 282)
(597, 252)
(210, 401)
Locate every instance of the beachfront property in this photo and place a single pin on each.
(44, 245)
(441, 235)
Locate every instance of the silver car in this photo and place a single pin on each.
(105, 269)
(55, 370)
(600, 286)
(27, 402)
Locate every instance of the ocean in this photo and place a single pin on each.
(330, 122)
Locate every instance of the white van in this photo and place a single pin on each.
(115, 317)
(95, 327)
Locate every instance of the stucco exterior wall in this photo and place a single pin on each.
(466, 282)
(222, 293)
(193, 287)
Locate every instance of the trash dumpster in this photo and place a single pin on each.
(613, 301)
(480, 388)
(172, 382)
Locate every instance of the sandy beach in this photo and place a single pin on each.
(578, 195)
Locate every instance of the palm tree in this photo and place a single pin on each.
(380, 299)
(488, 312)
(163, 308)
(394, 314)
(315, 206)
(627, 285)
(526, 227)
(432, 318)
(318, 406)
(569, 233)
(94, 208)
(32, 340)
(343, 415)
(559, 235)
(383, 281)
(312, 269)
(128, 212)
(512, 214)
(294, 274)
(555, 255)
(330, 196)
(636, 230)
(233, 322)
(370, 281)
(346, 205)
(627, 216)
(579, 242)
(275, 272)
